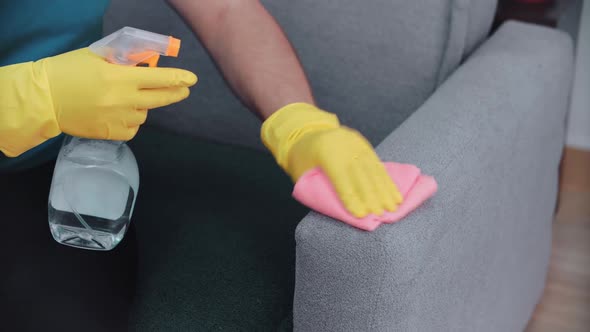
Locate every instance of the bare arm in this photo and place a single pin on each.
(262, 68)
(251, 50)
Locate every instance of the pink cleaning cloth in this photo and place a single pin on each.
(315, 191)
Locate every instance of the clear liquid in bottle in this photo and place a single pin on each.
(93, 193)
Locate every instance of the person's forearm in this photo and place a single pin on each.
(251, 50)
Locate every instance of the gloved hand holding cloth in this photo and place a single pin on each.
(303, 137)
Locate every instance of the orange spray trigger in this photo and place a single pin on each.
(149, 58)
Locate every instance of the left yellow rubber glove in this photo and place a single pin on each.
(81, 94)
(302, 137)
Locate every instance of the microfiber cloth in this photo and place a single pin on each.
(315, 191)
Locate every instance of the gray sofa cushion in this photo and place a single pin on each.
(372, 62)
(474, 257)
(481, 16)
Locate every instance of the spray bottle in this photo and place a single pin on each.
(95, 182)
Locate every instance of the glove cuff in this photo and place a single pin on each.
(27, 118)
(287, 125)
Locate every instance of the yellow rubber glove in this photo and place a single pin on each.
(302, 137)
(81, 94)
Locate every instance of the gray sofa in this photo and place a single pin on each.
(426, 83)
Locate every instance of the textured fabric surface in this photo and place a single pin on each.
(371, 62)
(570, 17)
(211, 248)
(481, 15)
(469, 22)
(474, 257)
(215, 234)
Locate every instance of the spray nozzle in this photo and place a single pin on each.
(131, 46)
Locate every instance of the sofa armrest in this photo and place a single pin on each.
(474, 257)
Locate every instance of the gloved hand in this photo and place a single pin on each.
(302, 137)
(81, 94)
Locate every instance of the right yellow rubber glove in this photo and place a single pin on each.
(83, 95)
(302, 137)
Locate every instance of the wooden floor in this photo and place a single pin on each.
(566, 302)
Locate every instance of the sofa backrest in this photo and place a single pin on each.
(371, 62)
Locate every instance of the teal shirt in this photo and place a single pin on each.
(31, 30)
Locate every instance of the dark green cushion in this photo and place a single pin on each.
(215, 231)
(211, 247)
